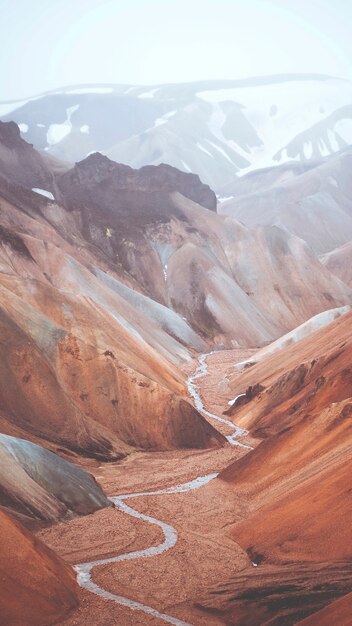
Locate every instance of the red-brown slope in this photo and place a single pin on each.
(82, 365)
(37, 587)
(296, 484)
(337, 613)
(302, 378)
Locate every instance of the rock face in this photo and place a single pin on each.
(102, 176)
(37, 483)
(37, 587)
(294, 482)
(212, 128)
(19, 162)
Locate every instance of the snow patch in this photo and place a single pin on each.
(232, 402)
(225, 198)
(57, 132)
(23, 127)
(43, 192)
(84, 129)
(298, 107)
(221, 150)
(186, 167)
(304, 330)
(82, 90)
(199, 145)
(148, 94)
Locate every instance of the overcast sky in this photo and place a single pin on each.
(47, 44)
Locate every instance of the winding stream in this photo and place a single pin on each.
(201, 371)
(84, 570)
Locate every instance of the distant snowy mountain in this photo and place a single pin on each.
(213, 128)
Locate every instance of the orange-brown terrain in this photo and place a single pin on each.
(174, 422)
(37, 587)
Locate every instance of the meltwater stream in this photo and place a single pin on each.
(84, 570)
(170, 537)
(201, 371)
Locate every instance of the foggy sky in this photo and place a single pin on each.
(47, 44)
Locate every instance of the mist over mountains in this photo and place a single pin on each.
(216, 129)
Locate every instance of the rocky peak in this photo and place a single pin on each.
(10, 136)
(97, 168)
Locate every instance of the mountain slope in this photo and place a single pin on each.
(37, 587)
(339, 262)
(313, 202)
(37, 483)
(294, 487)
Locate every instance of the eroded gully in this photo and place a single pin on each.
(84, 570)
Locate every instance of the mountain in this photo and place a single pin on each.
(312, 201)
(37, 587)
(212, 128)
(339, 262)
(35, 483)
(144, 244)
(89, 363)
(292, 485)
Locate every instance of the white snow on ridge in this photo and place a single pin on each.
(299, 105)
(23, 127)
(88, 90)
(148, 94)
(8, 107)
(57, 132)
(304, 330)
(225, 198)
(43, 192)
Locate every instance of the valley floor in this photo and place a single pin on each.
(203, 555)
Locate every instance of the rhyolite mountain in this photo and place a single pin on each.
(291, 486)
(110, 279)
(212, 128)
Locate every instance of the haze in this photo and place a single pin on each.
(58, 43)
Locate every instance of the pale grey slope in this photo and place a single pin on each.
(313, 202)
(38, 483)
